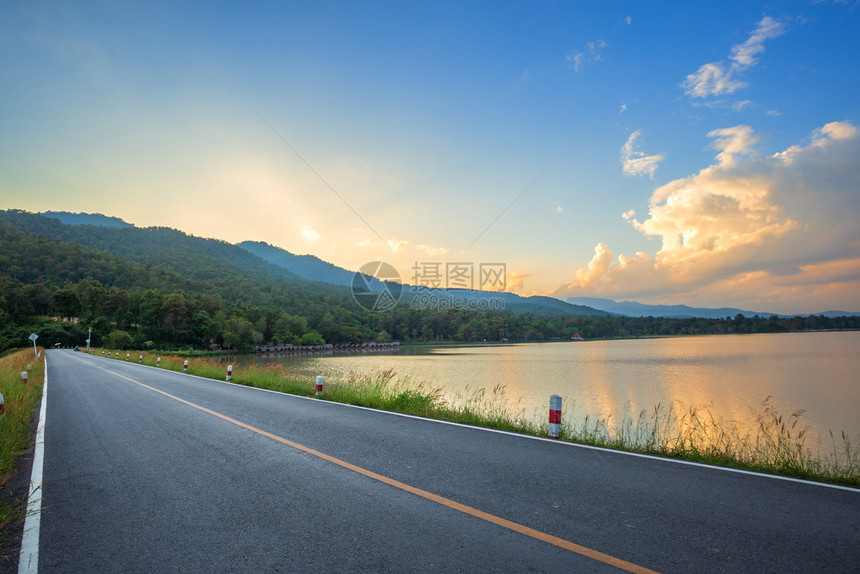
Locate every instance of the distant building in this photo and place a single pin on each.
(577, 337)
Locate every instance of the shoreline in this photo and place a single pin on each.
(691, 434)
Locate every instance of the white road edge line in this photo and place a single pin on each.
(28, 561)
(526, 436)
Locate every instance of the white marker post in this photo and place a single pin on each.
(229, 372)
(2, 406)
(127, 356)
(554, 416)
(319, 385)
(24, 377)
(158, 362)
(140, 360)
(185, 366)
(103, 353)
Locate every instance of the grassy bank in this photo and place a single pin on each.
(15, 425)
(780, 444)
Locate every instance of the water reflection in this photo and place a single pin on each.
(730, 374)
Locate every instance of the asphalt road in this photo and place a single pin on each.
(138, 481)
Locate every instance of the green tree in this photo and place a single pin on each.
(67, 303)
(383, 337)
(239, 334)
(119, 339)
(312, 338)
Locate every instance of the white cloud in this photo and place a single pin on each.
(711, 80)
(433, 251)
(733, 142)
(310, 235)
(396, 244)
(514, 282)
(768, 228)
(403, 249)
(597, 268)
(822, 137)
(744, 55)
(592, 53)
(773, 113)
(740, 105)
(628, 19)
(635, 162)
(834, 131)
(720, 78)
(578, 61)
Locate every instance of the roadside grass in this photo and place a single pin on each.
(779, 444)
(15, 425)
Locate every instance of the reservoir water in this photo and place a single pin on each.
(729, 374)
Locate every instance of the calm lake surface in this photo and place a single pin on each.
(730, 374)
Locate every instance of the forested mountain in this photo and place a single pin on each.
(307, 266)
(193, 257)
(161, 288)
(66, 287)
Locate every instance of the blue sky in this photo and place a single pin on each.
(687, 152)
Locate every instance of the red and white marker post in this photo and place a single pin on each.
(319, 385)
(185, 366)
(24, 377)
(140, 360)
(2, 406)
(127, 356)
(229, 372)
(554, 416)
(158, 362)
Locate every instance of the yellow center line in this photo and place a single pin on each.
(531, 532)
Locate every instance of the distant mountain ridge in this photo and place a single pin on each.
(96, 219)
(308, 266)
(636, 309)
(833, 313)
(312, 267)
